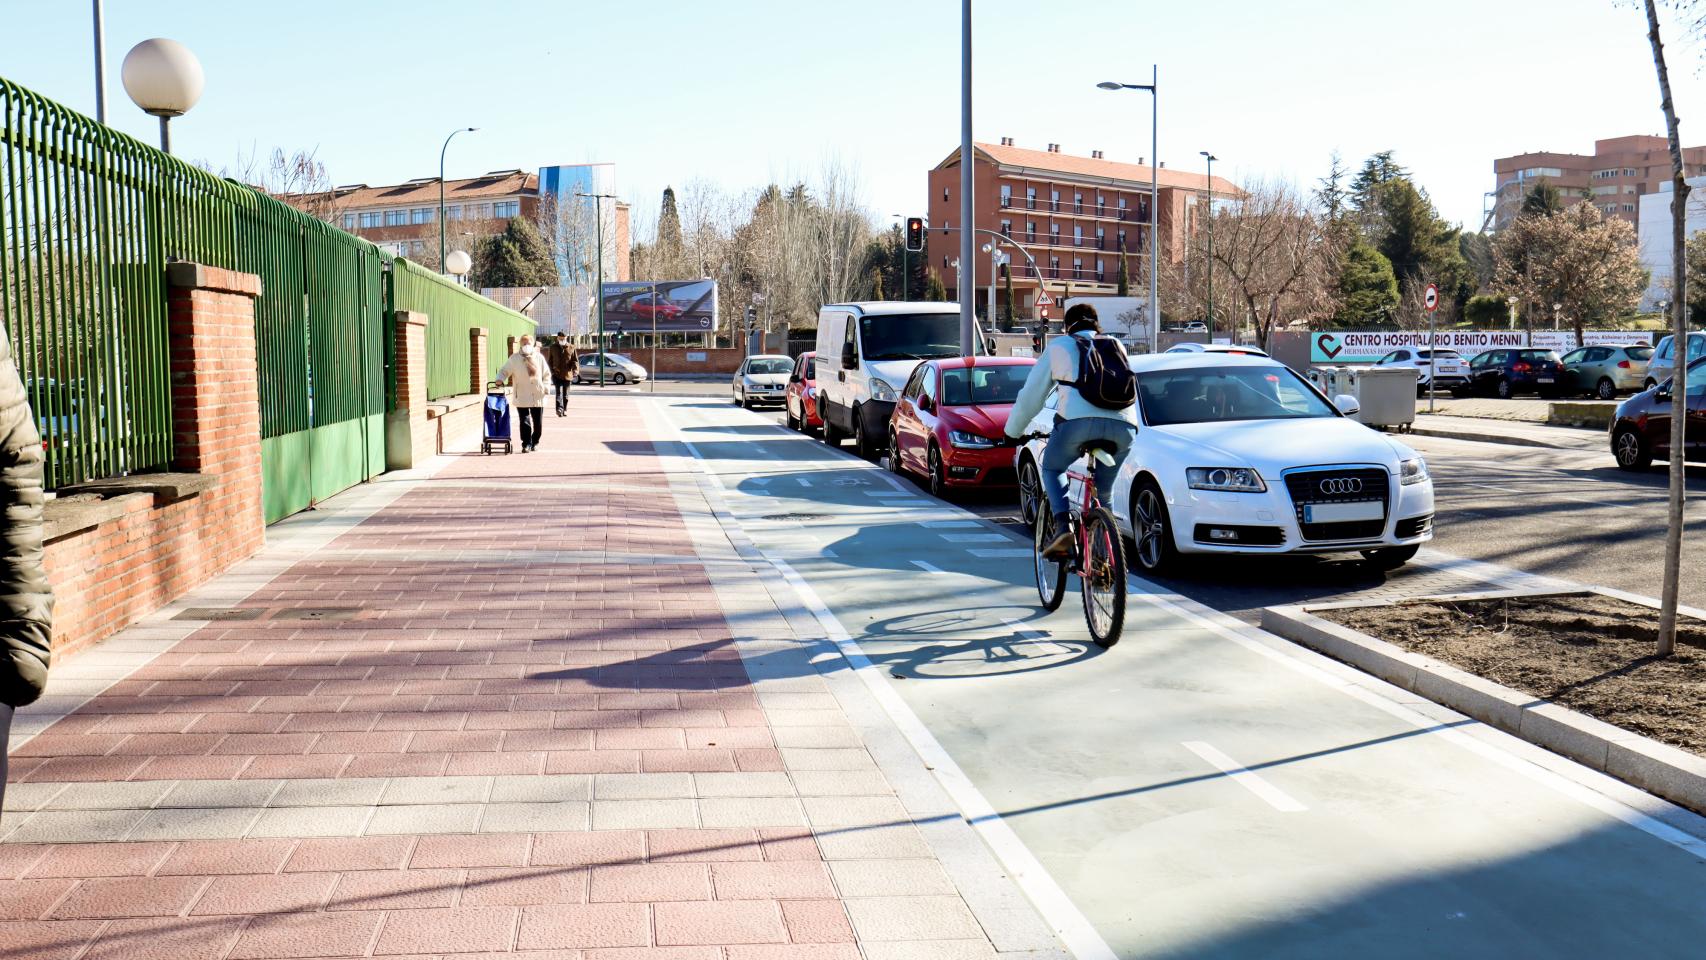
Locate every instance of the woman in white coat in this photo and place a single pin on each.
(531, 375)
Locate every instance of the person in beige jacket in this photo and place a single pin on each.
(26, 599)
(531, 376)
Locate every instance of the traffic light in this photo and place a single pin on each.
(914, 234)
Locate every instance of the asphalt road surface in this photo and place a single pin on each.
(1202, 790)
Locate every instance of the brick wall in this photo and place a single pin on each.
(476, 359)
(674, 360)
(119, 549)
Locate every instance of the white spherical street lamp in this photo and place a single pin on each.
(458, 263)
(163, 78)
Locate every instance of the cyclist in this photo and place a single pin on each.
(1077, 420)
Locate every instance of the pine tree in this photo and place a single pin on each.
(669, 227)
(1122, 280)
(933, 289)
(1542, 200)
(517, 257)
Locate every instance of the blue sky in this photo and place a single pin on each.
(741, 92)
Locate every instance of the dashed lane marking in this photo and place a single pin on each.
(1275, 797)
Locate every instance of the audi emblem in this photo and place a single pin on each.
(1339, 486)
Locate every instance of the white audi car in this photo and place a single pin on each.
(1238, 454)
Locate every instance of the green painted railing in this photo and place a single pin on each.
(452, 312)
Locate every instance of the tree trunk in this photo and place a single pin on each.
(1679, 331)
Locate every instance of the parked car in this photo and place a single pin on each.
(950, 421)
(1606, 371)
(870, 350)
(1663, 362)
(1195, 326)
(1640, 432)
(801, 398)
(618, 369)
(1241, 455)
(1448, 368)
(1507, 372)
(762, 378)
(1239, 348)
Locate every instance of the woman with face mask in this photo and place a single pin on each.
(528, 371)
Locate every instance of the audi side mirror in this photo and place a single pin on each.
(1347, 404)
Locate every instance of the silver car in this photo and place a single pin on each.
(618, 369)
(1663, 364)
(1605, 371)
(763, 378)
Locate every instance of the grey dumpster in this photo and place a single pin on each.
(1387, 395)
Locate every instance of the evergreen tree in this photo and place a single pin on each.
(933, 289)
(1331, 195)
(1007, 281)
(517, 257)
(669, 227)
(1542, 200)
(1122, 280)
(1418, 242)
(1367, 288)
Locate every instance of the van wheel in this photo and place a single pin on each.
(861, 443)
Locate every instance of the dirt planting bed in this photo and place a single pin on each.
(1590, 653)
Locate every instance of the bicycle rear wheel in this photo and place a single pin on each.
(1051, 574)
(1104, 583)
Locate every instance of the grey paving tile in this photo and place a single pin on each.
(425, 818)
(76, 826)
(830, 812)
(979, 949)
(310, 822)
(743, 785)
(235, 794)
(722, 812)
(355, 791)
(24, 798)
(890, 878)
(841, 783)
(803, 758)
(542, 789)
(841, 736)
(194, 824)
(912, 918)
(642, 786)
(873, 843)
(412, 790)
(547, 817)
(643, 814)
(127, 795)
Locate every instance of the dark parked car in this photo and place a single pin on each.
(1506, 373)
(1640, 433)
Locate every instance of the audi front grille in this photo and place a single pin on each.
(1339, 485)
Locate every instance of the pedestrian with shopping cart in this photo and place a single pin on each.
(528, 372)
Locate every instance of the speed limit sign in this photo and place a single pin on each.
(1430, 299)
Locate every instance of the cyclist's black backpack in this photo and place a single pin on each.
(1104, 373)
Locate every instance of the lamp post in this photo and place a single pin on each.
(1210, 212)
(163, 78)
(1510, 302)
(441, 151)
(1154, 192)
(903, 257)
(598, 229)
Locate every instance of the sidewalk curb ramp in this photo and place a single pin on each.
(1660, 769)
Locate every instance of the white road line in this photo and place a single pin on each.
(999, 554)
(802, 481)
(973, 537)
(926, 567)
(1275, 797)
(950, 524)
(758, 481)
(831, 554)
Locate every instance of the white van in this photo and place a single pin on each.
(865, 353)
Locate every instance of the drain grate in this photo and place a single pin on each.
(318, 613)
(790, 517)
(1008, 521)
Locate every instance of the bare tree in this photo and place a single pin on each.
(1576, 259)
(300, 176)
(1275, 254)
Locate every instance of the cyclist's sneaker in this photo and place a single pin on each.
(1059, 544)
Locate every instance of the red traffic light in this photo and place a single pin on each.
(914, 234)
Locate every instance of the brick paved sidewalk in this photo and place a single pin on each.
(505, 714)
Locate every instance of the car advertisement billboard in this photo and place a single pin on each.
(1352, 346)
(667, 306)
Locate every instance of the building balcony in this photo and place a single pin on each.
(1090, 210)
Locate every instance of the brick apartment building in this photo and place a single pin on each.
(1615, 176)
(1072, 214)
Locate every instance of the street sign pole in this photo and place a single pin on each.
(1430, 300)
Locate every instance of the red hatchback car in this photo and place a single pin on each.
(949, 422)
(801, 398)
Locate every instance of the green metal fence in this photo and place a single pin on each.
(451, 312)
(89, 218)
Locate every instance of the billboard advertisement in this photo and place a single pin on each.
(1351, 346)
(674, 306)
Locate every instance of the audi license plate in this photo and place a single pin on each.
(1343, 512)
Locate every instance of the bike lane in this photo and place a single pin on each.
(1202, 790)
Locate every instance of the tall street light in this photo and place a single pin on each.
(598, 228)
(441, 151)
(163, 78)
(1154, 193)
(1210, 212)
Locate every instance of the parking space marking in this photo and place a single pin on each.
(926, 567)
(950, 524)
(1275, 797)
(803, 481)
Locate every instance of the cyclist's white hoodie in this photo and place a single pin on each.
(1058, 368)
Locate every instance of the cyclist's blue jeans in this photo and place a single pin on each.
(1064, 442)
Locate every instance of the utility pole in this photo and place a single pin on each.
(100, 64)
(598, 230)
(968, 208)
(441, 151)
(1208, 210)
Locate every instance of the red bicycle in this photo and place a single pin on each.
(1097, 555)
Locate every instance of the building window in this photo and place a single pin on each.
(1101, 205)
(507, 209)
(1054, 199)
(422, 215)
(1030, 231)
(1007, 228)
(1078, 203)
(944, 194)
(944, 261)
(1054, 268)
(1119, 239)
(372, 218)
(1101, 271)
(1631, 172)
(1628, 208)
(1101, 239)
(1077, 235)
(1006, 195)
(396, 218)
(1077, 268)
(1030, 198)
(453, 212)
(1054, 234)
(349, 221)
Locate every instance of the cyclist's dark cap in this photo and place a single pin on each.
(1082, 316)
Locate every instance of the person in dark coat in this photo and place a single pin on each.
(26, 600)
(560, 357)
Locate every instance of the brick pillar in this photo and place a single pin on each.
(511, 346)
(477, 360)
(408, 439)
(216, 409)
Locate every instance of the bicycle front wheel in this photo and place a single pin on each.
(1104, 578)
(1051, 574)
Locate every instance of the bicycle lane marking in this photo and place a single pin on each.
(1050, 900)
(1241, 775)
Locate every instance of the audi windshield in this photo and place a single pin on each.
(1211, 394)
(910, 336)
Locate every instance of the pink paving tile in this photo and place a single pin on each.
(71, 745)
(350, 853)
(523, 886)
(264, 743)
(584, 926)
(397, 765)
(295, 768)
(640, 738)
(719, 922)
(647, 882)
(130, 897)
(30, 899)
(61, 940)
(789, 843)
(100, 860)
(170, 744)
(681, 718)
(588, 848)
(702, 845)
(200, 938)
(817, 921)
(705, 737)
(758, 760)
(471, 850)
(462, 930)
(787, 880)
(513, 720)
(396, 890)
(192, 768)
(136, 723)
(326, 722)
(652, 953)
(379, 741)
(16, 858)
(792, 951)
(279, 936)
(546, 739)
(495, 764)
(687, 761)
(226, 857)
(309, 704)
(238, 722)
(593, 761)
(283, 893)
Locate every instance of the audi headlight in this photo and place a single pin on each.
(1230, 479)
(1413, 470)
(880, 390)
(961, 438)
